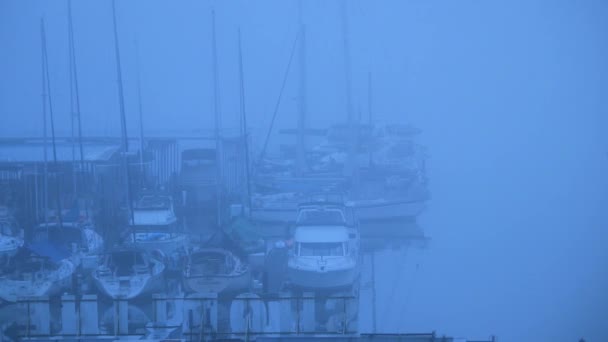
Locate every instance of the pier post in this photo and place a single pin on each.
(123, 317)
(69, 318)
(89, 320)
(200, 311)
(308, 311)
(160, 308)
(40, 316)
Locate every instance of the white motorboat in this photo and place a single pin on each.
(128, 273)
(36, 270)
(154, 226)
(11, 238)
(326, 247)
(215, 270)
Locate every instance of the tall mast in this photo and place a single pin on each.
(45, 67)
(75, 94)
(244, 132)
(217, 123)
(351, 169)
(141, 118)
(123, 119)
(369, 111)
(302, 98)
(45, 180)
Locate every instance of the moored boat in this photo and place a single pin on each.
(127, 273)
(326, 248)
(215, 270)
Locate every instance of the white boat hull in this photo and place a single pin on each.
(59, 280)
(387, 210)
(129, 287)
(316, 279)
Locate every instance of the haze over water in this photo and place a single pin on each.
(510, 97)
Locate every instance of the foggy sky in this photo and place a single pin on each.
(511, 97)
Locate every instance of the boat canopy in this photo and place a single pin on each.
(48, 250)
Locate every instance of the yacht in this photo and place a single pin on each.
(325, 253)
(154, 226)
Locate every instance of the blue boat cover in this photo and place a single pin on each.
(48, 250)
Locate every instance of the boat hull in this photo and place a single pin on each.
(315, 279)
(387, 210)
(128, 287)
(61, 279)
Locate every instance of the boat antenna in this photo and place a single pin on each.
(123, 120)
(45, 62)
(244, 132)
(276, 107)
(217, 122)
(74, 91)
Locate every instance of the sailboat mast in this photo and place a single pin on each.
(123, 119)
(141, 118)
(369, 112)
(302, 97)
(351, 161)
(244, 122)
(45, 181)
(217, 123)
(74, 74)
(45, 59)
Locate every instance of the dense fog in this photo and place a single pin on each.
(510, 98)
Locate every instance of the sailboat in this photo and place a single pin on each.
(126, 273)
(78, 238)
(38, 269)
(215, 270)
(326, 241)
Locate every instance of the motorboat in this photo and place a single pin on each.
(215, 270)
(325, 252)
(154, 226)
(38, 269)
(127, 273)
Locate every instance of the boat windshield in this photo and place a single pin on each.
(320, 217)
(321, 249)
